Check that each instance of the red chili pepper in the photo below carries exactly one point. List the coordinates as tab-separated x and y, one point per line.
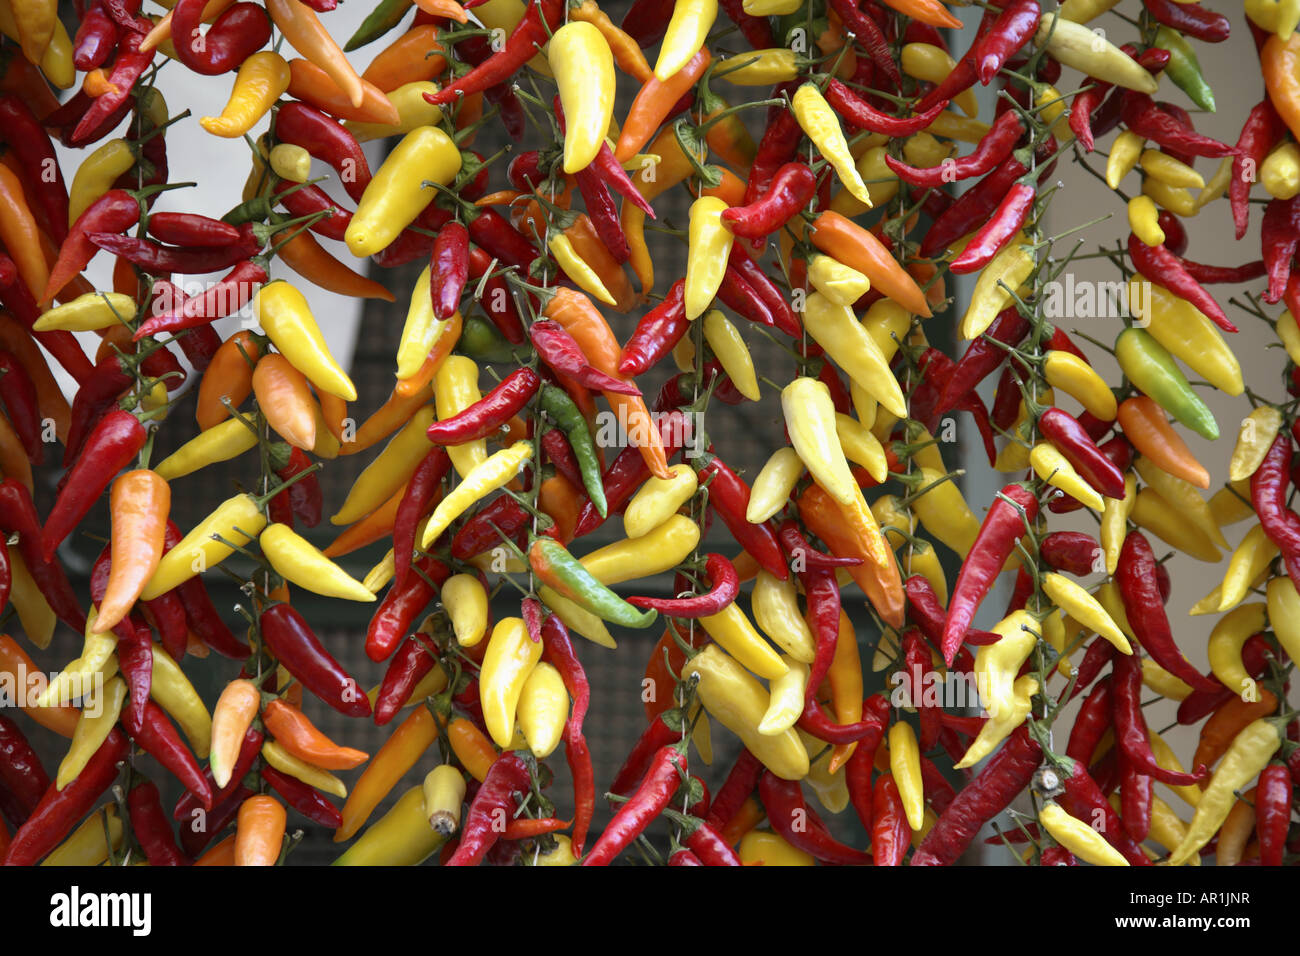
757	30
1279	238
1002	527
803	554
1136	792
1064	431
858	113
646	21
401	606
1207	274
18	514
21	405
995	146
196	834
982	357
303	798
16	298
1273	813
496	298
291	641
1099	653
1259	134
1084	800
229	40
729	499
557	649
493	232
415	241
21	775
449	269
202	616
1131	729
1005	222
790	190
191	229
925	611
651	798
31	146
1073	552
864	27
628	472
164	261
489	413
95	40
115	211
539	21
815	721
406	669
1151	120
725	586
150	728
59	810
507	775
1014	27
560	454
740	783
1191	19
778	145
326	139
419	494
916	664
1167	270
1268	493
219	300
503	515
109	448
890	836
765	289
150	827
128	66
972	208
304	495
1255	656
656	736
798	824
1136	576
188	808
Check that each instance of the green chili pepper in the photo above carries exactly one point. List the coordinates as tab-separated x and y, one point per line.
1150	367
1184	69
386	15
558	569
565	413
480	340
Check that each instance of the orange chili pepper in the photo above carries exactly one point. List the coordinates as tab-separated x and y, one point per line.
78	285
444	8
259	831
628	56
927	11
1280	63
417	383
469	113
14	462
115	339
125	279
731	190
730	139
847	535
306	34
29	682
139	504
593	251
20	235
223	854
398	755
845	679
746	567
582	320
558	498
300	737
378	524
335	412
502	197
228	375
653	104
847	242
388	418
285	399
309	83
49	397
745	819
1147	428
411	58
471	746
307	257
1225	723
96	84
231	718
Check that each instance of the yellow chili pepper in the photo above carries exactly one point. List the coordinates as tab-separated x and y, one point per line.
1167	828
299	769
236	521
851	347
97	174
494	473
810	419
1078	837
1188	335
34	612
658	500
1074	45
861	447
774	484
389	471
400	190
765	848
728	346
1250	559
732	630
996	665
584	70
1279	173
78	677
1249	753
1275	16
400	752
420	331
467	605
932	64
510	659
1070	374
1170	171
1081	11
401	837
1084	608
1143	216
1284	614
577	618
262	79
960	128
1162	682
1170	524
44	40
687	30
736	699
291	162
300	562
1224	647
993	289
759	67
944	513
996	729
1177	200
709	246
86	313
444	792
92	843
543	710
1124	155
1217	185
1258	429
577	269
1114	522
822	125
286	318
176	695
905	765
413	110
92	731
221	442
787	699
1184	496
775	604
1050	465
839	283
1288	334
828	785
658	550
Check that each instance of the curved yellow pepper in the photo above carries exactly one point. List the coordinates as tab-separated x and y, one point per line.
687	30
996	729
176	695
787	699
654	552
658	500
851	347
97	174
774	484
1251	558
1225	643
284	315
221	442
1084	608
1258	429
729	347
401	837
77	679
905	765
236	520
709	245
92	731
285	762
996	665
412	108
822	125
390	470
1074	45
1143	220
734	633
1078	837
1050	465
842	284
300	562
455	388
810	420
759	67
578	269
88	312
510	659
92	843
584	71
494	473
543	710
262	79
775	604
398	192
765	848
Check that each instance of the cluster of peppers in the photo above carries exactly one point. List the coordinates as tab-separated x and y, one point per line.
811	236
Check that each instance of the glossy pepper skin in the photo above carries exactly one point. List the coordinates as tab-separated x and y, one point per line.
508	775
292	642
650	799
